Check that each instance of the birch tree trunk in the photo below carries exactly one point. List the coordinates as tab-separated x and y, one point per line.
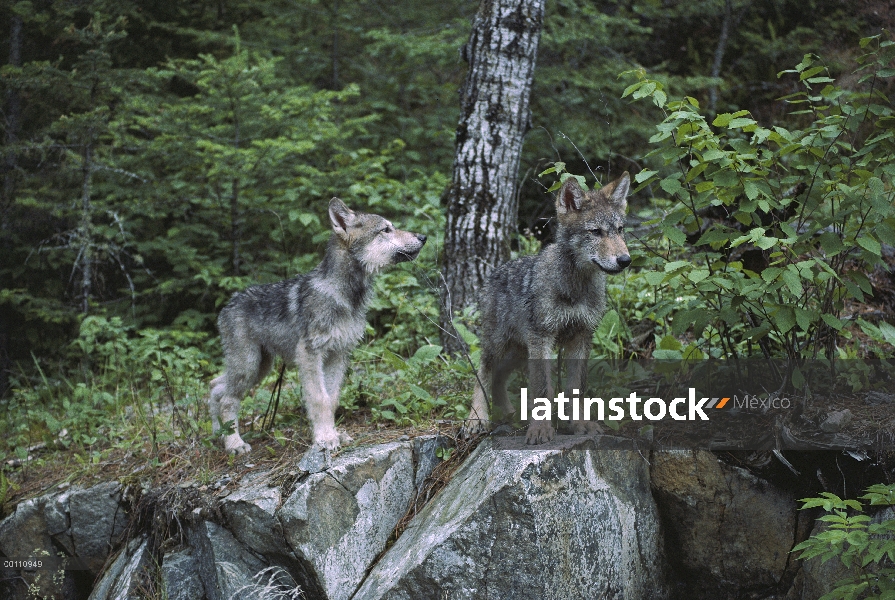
482	198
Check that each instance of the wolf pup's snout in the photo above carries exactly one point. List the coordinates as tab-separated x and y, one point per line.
412	249
623	261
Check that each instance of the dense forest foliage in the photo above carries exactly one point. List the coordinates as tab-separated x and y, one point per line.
159	156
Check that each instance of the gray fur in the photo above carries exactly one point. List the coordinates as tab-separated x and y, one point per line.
313	321
534	304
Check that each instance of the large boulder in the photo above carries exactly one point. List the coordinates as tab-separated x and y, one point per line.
571	520
180	576
339	520
78	522
732	532
97	521
226	568
127	577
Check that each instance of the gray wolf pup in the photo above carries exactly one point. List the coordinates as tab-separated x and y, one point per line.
313	321
534	304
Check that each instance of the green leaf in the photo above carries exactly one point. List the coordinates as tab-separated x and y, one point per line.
557	167
644	175
785	318
792	280
669	342
671	185
426	353
737	123
870	245
421	393
654	277
804	318
831	243
832	321
766	242
673	233
393	360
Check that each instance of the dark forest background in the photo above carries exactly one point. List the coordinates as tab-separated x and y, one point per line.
158	156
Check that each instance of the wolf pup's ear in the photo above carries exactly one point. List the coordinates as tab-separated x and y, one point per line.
341	217
617	191
570	197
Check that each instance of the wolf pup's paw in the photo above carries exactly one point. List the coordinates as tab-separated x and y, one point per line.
344	438
473	427
586	428
234	445
539	432
328	440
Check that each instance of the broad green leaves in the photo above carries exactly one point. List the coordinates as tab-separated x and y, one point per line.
778	226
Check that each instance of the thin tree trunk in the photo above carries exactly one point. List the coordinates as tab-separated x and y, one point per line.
335	48
85	235
726	25
235	226
10	163
13	123
494	103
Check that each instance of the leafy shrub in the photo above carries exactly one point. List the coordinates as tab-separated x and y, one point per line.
783	224
866	548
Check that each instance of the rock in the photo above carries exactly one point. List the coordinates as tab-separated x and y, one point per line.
731	531
572	520
24	534
425	458
227	569
315	459
836	421
97	521
124	579
56	513
338	521
874	398
180	576
250	512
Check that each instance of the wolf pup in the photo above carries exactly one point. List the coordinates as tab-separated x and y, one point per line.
534	304
312	320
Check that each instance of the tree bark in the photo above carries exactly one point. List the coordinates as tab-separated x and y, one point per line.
13	120
494	102
719	54
85	233
8	191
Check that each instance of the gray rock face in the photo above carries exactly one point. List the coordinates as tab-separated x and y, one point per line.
44	527
571	521
226	568
575	519
25	534
97	521
425	458
339	520
251	516
837	421
731	531
180	576
123	580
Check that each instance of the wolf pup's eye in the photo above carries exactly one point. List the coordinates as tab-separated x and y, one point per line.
597	232
621	229
387	230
